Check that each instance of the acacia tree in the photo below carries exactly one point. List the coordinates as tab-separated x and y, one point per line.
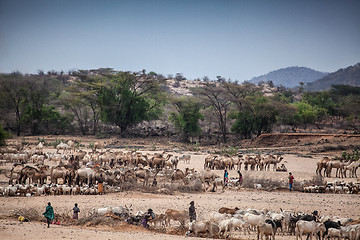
78	108
13	90
29	97
39	115
259	117
242	95
216	97
128	98
82	98
186	117
239	93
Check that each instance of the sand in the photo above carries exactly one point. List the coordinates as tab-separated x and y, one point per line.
303	168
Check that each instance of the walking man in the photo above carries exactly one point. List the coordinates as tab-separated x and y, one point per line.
240	178
291	181
49	214
101	184
226	177
192	211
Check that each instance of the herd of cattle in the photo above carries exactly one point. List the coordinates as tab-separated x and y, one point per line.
228	222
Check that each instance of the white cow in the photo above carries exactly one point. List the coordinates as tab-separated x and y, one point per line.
225	225
308	227
266	229
253	219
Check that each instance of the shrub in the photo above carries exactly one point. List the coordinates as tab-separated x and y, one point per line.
3	136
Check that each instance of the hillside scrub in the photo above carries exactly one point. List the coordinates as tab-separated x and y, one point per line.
107	102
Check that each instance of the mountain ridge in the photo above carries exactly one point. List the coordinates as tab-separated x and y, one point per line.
290	76
344	76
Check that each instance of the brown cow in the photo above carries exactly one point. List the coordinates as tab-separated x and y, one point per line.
176	215
228	210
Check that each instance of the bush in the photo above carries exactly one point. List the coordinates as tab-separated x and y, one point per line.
266	183
55	143
3	136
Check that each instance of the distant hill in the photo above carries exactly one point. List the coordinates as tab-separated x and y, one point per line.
290	77
348	76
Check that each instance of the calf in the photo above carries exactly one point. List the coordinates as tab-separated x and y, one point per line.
175	215
159	219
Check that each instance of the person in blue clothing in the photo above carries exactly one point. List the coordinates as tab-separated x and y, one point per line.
76	211
226	177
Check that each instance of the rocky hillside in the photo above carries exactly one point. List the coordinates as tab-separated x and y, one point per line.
347	76
290	77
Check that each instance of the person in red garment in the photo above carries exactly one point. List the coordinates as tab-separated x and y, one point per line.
291	181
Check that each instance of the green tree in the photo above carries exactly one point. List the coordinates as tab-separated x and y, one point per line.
29	96
322	99
308	114
265	115
244	123
13	92
186	117
259	117
81	98
128	98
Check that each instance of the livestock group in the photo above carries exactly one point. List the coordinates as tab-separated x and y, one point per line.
75	171
37	171
250	223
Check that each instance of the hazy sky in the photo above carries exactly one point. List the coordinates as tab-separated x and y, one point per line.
234	39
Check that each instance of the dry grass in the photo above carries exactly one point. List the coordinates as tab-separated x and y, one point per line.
29	213
267	184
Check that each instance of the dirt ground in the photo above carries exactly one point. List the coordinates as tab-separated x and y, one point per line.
301	162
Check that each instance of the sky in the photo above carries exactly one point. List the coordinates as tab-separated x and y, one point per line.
235	39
